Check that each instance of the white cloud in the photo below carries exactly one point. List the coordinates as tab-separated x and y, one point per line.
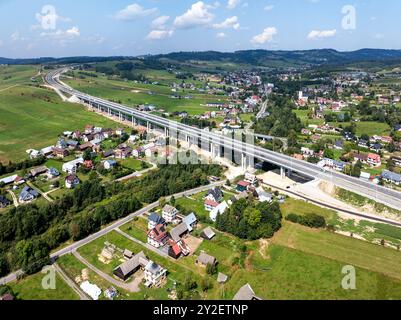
159	34
265	36
228	23
197	15
74	32
269	7
62	36
232	4
221	35
134	11
315	34
160	22
15	36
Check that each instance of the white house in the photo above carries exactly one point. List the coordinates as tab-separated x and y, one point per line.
71	181
169	213
154	274
72	166
263	195
133	138
109	164
220	209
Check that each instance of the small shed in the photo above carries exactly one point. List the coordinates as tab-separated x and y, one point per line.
208	233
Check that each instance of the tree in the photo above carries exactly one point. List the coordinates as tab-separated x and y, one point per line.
211	269
87	155
205	284
33	255
328	153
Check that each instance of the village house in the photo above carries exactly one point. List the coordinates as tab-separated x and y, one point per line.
210	205
52	173
242	186
397	161
391	177
109	164
4	202
220	209
47	151
214	194
208	233
123	153
169	213
264	196
72	166
204	259
128	268
60	153
154	219
191	221
154	274
374	160
89	129
85	146
158	236
362	157
38	171
28	194
246	293
71	181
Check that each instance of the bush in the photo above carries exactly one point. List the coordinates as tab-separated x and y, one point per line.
310	220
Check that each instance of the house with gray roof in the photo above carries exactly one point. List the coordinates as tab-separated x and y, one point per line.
179	231
246	293
28	194
128	268
154	219
215	195
204	259
391	177
191	221
208	233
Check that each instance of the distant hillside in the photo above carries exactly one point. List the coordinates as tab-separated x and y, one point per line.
65	60
300	57
266	58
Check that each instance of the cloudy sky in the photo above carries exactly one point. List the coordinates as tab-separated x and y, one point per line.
58	28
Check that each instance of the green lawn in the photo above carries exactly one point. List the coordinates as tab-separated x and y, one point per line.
341	248
133	94
17	75
133	164
296	275
32	118
137	229
30	288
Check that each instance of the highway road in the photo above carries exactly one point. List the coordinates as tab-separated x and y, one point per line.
380	194
76	245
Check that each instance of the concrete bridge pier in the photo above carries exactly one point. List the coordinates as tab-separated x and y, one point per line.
282	172
243	162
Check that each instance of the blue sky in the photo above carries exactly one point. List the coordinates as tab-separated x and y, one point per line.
58	28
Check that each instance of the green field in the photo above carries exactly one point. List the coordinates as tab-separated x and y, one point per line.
17	75
32	118
133	94
30	288
367	127
340	248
